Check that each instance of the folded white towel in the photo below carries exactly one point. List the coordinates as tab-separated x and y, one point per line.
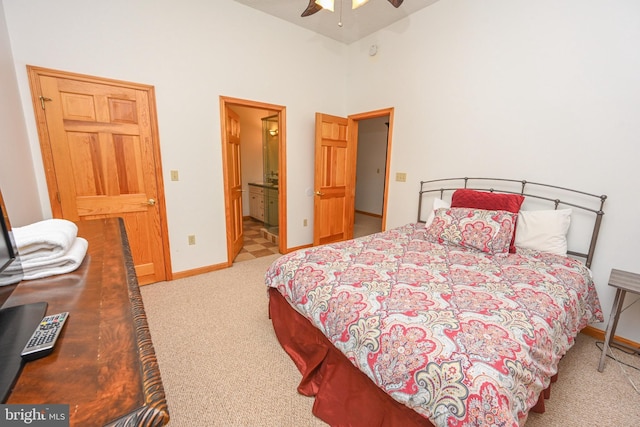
46	239
65	263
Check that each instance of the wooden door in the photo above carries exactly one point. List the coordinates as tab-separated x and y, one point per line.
100	150
335	172
233	183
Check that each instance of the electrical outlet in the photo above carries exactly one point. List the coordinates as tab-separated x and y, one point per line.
174	175
304	222
401	177
192	239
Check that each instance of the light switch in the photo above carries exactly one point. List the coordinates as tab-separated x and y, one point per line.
401	176
174	175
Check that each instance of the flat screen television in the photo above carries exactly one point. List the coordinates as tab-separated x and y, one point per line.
10	268
18	322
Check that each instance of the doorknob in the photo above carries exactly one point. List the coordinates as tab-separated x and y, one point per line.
43	100
151	202
318	193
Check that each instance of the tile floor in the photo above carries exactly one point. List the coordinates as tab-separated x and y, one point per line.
255	245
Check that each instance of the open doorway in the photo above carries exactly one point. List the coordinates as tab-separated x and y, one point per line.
258	217
373	133
371	164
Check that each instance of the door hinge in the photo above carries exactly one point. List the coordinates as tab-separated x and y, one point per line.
44	99
58	197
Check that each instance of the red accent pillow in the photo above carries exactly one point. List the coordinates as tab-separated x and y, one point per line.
464	198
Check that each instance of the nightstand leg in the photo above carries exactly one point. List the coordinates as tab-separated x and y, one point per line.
611	325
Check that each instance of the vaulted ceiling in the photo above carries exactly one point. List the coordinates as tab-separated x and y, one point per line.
356	24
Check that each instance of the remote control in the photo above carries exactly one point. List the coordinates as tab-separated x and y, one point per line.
44	337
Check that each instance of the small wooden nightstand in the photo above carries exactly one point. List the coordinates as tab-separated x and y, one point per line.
623	281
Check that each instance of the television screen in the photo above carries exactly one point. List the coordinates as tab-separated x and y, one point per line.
5	254
10	268
17	323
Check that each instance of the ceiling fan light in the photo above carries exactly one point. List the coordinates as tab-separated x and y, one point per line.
357	3
326	4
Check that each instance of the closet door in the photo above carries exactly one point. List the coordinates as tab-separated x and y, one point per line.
101	155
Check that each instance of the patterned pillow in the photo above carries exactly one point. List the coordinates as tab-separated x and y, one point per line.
484	230
465	198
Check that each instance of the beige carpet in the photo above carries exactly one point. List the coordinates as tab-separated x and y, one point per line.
221	364
364	224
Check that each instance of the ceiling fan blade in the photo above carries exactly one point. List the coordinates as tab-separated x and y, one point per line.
396	3
313	8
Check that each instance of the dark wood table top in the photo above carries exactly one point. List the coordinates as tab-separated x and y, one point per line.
104	364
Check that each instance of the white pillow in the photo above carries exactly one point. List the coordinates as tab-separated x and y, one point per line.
544	231
437	204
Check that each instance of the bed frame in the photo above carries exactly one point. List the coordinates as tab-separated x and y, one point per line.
587	202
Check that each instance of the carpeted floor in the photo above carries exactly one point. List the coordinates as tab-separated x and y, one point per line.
365	224
222	365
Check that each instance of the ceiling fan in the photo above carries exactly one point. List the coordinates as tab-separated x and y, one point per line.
317	5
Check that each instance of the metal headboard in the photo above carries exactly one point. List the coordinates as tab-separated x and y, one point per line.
594	203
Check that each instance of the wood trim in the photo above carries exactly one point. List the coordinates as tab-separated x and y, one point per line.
593	332
225	183
599	335
200	270
162	206
369	214
387	168
43	138
310	245
282	180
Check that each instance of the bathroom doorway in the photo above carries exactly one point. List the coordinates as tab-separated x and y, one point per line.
262	176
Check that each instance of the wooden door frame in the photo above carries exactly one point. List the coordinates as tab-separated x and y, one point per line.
353	135
225	103
34	74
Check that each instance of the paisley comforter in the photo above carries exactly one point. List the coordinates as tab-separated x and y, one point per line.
462	337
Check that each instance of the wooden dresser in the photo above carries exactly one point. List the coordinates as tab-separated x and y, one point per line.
104	365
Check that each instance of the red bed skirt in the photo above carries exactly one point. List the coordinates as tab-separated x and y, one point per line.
344	396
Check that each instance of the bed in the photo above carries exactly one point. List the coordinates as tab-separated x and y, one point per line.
458	319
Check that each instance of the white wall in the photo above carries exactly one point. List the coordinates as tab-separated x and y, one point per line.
547	91
16	166
192	51
371	163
